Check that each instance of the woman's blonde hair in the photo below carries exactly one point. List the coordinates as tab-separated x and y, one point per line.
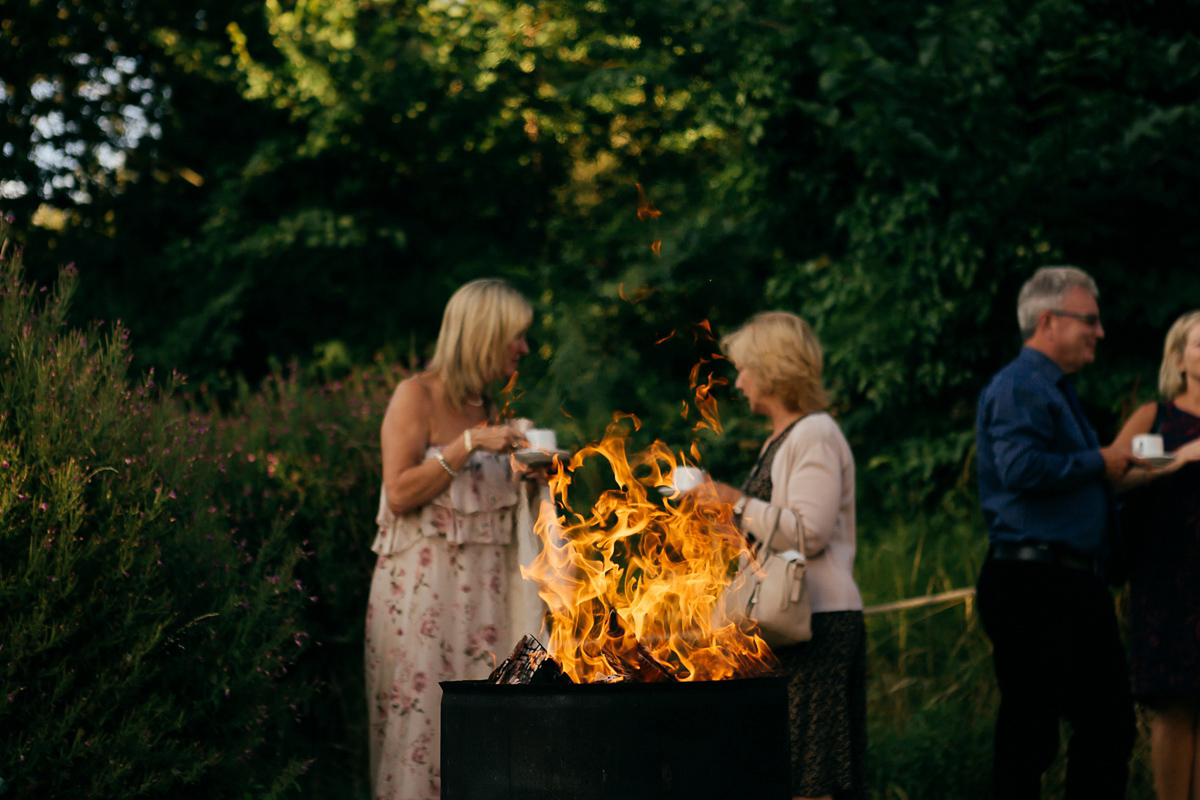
1171	379
782	353
480	321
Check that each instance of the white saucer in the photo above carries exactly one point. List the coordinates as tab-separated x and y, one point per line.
1160	461
533	457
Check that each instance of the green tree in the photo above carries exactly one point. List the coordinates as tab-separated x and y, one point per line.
890	171
893	172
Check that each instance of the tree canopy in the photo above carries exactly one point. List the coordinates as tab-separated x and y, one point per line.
315	178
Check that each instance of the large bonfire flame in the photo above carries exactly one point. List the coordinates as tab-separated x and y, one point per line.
634	587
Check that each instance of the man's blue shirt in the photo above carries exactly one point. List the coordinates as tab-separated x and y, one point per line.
1041	475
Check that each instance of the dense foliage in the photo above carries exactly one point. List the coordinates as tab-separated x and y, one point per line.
304	448
325	173
144	636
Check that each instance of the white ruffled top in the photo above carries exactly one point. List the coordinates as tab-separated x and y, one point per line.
480	506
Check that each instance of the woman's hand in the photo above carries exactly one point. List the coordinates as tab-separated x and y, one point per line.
494	438
1124	471
714	491
1187	454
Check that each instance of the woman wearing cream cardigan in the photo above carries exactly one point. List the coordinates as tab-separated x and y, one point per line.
804	480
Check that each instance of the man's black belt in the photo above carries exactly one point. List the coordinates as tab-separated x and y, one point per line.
1044	554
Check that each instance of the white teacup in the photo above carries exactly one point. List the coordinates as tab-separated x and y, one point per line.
542	438
684	478
1148	445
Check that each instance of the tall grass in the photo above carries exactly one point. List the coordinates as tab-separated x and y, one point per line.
932	695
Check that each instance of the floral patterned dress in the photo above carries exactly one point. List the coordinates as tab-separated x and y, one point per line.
438	611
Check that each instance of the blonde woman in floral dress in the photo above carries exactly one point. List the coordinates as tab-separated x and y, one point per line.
450	505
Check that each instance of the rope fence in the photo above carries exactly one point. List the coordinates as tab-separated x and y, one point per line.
921	602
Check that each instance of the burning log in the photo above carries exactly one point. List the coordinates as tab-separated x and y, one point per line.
529	663
630	657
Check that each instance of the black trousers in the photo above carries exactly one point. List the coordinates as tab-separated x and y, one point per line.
1058	655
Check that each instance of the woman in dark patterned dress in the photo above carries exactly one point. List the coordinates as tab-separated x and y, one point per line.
804	481
1165	576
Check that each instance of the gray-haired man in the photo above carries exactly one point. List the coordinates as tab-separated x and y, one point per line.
1042	594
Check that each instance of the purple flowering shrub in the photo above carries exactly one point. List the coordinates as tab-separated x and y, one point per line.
305	449
151	618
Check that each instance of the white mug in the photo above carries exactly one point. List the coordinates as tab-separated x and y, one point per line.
542	438
1148	445
684	478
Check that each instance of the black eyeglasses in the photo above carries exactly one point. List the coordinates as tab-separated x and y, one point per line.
1091	320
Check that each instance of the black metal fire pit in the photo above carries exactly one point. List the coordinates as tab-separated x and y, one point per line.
707	740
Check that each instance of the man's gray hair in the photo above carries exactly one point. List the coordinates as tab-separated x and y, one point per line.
1045	292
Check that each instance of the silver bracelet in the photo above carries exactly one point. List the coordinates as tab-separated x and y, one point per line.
441	460
467	440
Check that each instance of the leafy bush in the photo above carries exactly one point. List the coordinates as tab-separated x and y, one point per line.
304	446
145	639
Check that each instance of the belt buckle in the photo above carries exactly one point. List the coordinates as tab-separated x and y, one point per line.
1080	562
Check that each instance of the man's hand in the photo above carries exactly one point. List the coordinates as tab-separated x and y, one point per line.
1118	459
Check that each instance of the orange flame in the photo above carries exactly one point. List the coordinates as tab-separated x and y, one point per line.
646	209
707	404
509	394
512	384
634	588
639	294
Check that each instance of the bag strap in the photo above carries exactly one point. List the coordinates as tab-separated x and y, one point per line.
766	548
